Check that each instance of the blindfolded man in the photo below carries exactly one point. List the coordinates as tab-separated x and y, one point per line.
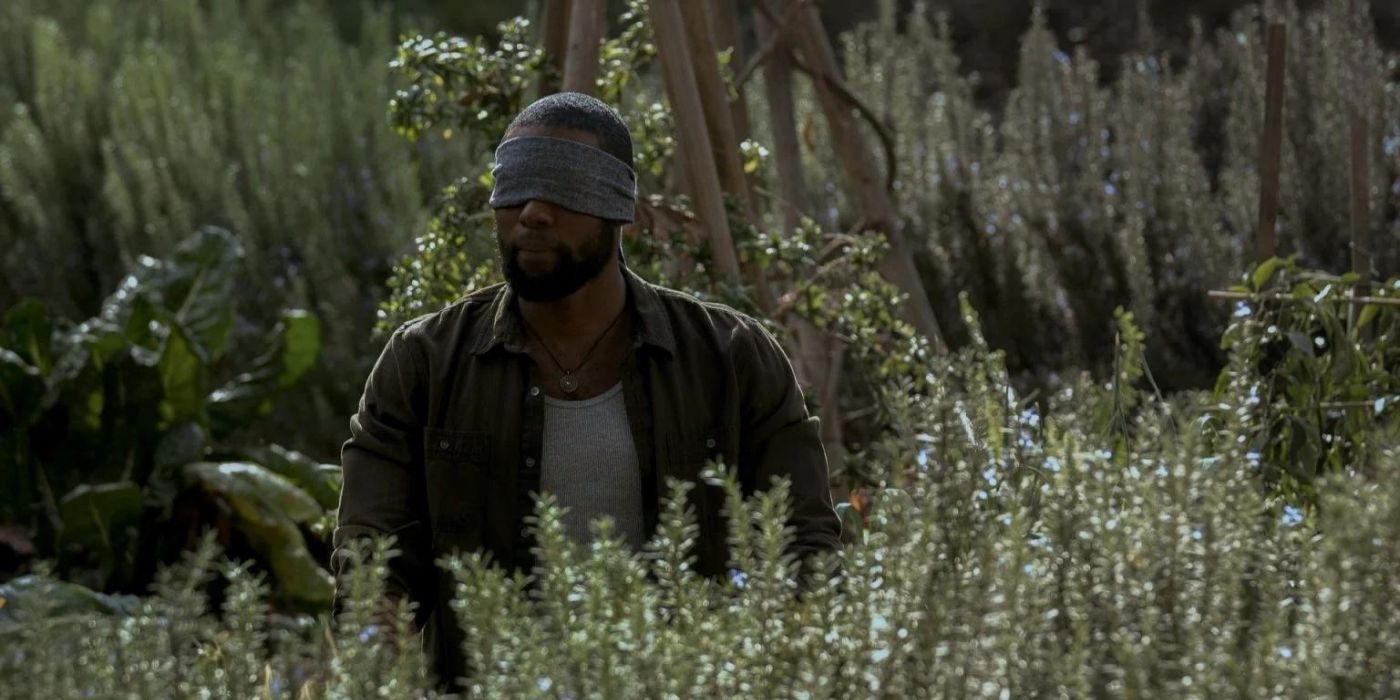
575	377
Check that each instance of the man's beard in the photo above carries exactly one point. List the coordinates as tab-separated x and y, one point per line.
571	272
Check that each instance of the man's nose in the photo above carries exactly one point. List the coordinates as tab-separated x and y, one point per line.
537	213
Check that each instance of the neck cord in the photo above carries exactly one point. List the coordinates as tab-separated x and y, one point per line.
568	382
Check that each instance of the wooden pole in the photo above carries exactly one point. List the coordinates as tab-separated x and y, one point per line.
859	163
719	123
728	36
819	354
1360	201
714	100
555	34
782	120
587	22
1360	207
692	134
1271	146
1248	296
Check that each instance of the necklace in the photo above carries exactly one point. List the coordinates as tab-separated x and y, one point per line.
569	383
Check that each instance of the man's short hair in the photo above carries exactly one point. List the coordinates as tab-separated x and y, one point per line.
575	110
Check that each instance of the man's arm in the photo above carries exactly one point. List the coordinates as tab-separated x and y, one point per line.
781	439
382	491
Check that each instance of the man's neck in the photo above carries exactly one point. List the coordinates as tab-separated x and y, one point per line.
583	315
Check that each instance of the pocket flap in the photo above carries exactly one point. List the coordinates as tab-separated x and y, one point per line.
473	445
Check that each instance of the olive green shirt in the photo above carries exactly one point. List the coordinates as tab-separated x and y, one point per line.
445	448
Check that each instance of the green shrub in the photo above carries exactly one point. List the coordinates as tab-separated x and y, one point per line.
1078	197
119	434
1010	552
127	125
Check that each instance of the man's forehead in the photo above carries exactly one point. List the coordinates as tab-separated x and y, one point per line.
558	132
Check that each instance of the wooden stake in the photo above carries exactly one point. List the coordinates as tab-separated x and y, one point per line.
1271	145
555	36
819	354
719	123
692	134
587	22
728	36
1360	208
782	121
1360	201
859	164
714	99
1353	300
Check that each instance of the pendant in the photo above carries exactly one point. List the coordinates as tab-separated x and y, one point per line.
568	383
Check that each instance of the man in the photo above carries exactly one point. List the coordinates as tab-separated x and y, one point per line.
575	377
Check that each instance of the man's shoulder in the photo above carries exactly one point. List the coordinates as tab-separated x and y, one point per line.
696	315
450	319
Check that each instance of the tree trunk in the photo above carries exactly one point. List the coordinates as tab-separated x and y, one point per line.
693	134
555	36
860	163
587	22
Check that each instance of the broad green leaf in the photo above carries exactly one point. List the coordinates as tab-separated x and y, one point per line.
267	508
293	347
32	598
1301	342
96	518
182	379
21	391
301	345
1264	272
28	331
315	478
1368	314
273	490
201	289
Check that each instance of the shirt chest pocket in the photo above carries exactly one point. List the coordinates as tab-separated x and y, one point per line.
456	466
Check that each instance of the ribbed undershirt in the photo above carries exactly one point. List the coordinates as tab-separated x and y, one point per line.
590	464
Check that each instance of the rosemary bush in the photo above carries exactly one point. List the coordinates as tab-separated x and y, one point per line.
1078	197
1114	545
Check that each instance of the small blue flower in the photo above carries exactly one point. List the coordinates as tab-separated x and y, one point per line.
1292	516
738	578
369	631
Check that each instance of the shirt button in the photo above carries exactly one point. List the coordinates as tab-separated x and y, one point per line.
710	443
534	391
529	461
444	444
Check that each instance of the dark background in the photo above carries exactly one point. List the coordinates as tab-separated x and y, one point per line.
987	32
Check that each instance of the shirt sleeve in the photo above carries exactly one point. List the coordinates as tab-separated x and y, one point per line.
781	439
383	492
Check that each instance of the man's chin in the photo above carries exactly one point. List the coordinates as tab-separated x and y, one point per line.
540	288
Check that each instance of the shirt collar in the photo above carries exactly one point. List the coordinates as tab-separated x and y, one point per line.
503	326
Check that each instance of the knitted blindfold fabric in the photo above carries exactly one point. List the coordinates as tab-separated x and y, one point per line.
573	175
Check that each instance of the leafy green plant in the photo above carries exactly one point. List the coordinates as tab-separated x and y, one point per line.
126	125
110	425
1309	375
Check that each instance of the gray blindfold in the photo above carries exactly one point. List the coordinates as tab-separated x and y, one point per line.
573	175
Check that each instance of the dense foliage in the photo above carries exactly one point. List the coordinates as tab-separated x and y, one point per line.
124	126
1082	196
119	434
1115	545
